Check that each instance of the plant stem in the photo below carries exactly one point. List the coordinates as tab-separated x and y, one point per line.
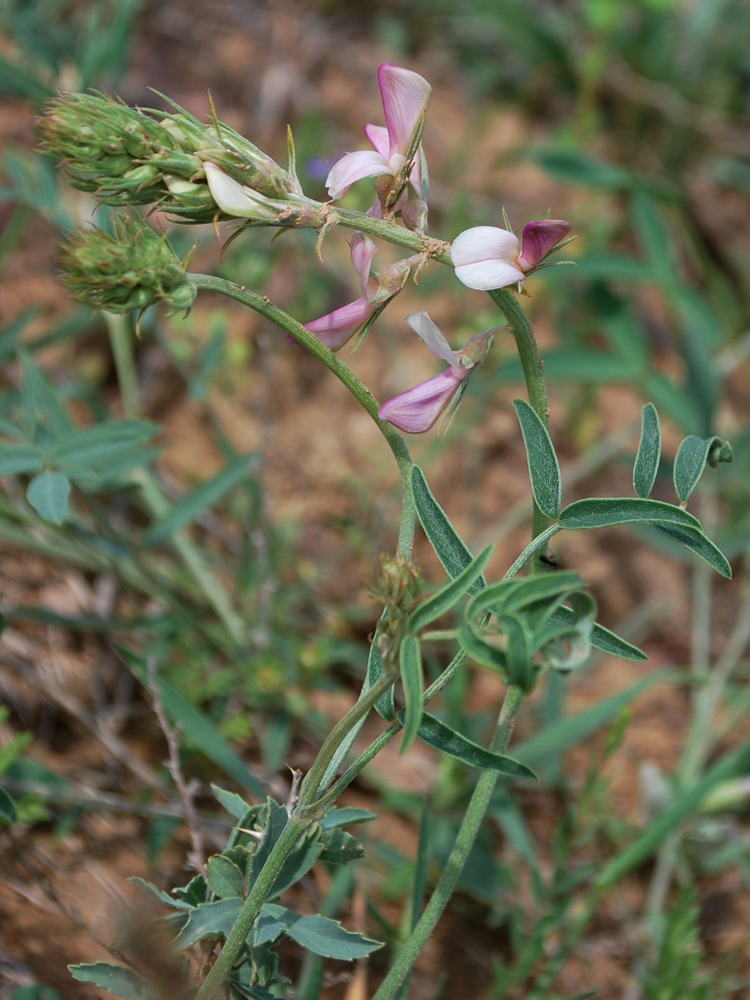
248	914
467	833
260	304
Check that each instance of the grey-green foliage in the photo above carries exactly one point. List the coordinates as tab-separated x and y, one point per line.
677	973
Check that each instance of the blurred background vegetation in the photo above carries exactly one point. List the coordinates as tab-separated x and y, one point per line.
243	460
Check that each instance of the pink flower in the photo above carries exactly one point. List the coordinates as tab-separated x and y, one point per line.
416	410
406	97
335	328
486	257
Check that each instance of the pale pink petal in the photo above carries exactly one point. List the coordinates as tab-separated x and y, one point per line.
353	167
417	409
539	238
437	345
406	97
484	243
378	136
232	197
335	328
363	253
488	274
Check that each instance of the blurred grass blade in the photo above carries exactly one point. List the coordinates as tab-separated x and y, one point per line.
649	452
685	805
410	661
544	469
196	727
16	458
454	554
447	596
193	504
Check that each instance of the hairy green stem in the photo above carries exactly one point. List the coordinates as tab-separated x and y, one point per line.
229	954
261	305
467	833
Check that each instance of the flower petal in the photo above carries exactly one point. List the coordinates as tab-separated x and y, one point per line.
378	136
335	328
353	167
232	197
437	345
488	274
363	253
539	238
416	410
406	97
484	243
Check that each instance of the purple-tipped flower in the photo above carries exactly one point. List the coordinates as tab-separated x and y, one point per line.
486	257
417	410
406	96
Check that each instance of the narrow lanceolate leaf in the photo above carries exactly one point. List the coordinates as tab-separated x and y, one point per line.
544	469
483	652
605	512
410	661
196	501
100	444
115	979
48	494
7	807
689	463
323	936
696	541
649	452
453	553
15	458
436	734
447	596
602	638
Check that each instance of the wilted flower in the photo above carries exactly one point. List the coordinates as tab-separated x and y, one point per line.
131	269
487	257
397	153
416	410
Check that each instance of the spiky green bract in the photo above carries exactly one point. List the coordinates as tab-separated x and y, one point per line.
133	268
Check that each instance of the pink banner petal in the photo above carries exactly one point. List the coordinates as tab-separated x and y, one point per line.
363	253
539	238
406	97
378	136
335	328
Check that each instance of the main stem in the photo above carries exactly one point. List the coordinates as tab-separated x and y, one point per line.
467	834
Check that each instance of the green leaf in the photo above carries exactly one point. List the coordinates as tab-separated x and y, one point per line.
604	512
436	734
649	452
197	500
48	494
16	458
410	662
209	920
299	862
697	542
519	652
654	239
323	936
231	801
602	638
339	847
267	928
447	596
99	445
559	737
483	652
7	807
690	461
573	167
162	897
114	979
224	878
544	469
38	399
384	706
197	727
346	816
453	553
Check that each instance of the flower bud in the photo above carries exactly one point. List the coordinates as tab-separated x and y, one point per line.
132	269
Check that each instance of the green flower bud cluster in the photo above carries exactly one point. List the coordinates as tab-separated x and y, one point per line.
128	156
133	268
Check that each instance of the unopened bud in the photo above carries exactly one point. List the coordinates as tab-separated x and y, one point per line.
131	269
